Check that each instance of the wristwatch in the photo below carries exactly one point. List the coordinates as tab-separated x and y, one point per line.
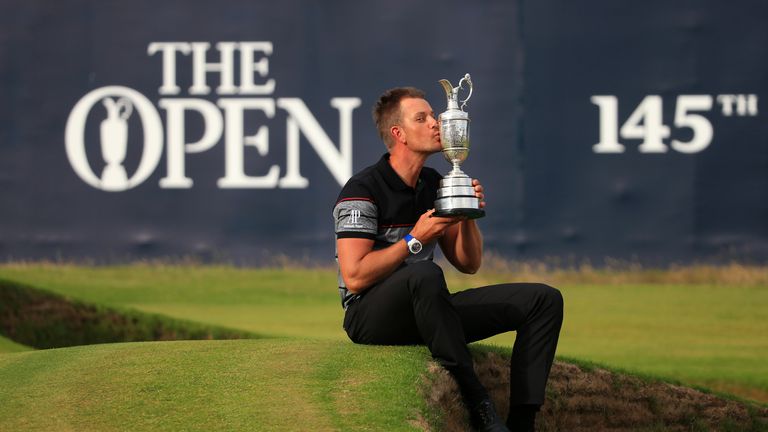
414	245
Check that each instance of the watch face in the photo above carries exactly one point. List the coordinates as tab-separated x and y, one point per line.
414	246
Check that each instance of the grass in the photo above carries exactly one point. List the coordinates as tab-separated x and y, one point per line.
274	302
710	336
42	319
273	384
9	346
703	330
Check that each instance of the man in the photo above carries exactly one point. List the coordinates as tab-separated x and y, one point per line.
393	293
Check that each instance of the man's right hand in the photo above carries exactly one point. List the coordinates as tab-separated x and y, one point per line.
430	227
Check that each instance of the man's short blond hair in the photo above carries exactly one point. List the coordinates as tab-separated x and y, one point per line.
386	111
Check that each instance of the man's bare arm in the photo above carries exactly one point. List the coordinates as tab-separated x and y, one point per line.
462	244
361	266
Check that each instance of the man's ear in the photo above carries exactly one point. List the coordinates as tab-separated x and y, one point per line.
397	133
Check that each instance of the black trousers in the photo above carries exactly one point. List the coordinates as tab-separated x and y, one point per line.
412	306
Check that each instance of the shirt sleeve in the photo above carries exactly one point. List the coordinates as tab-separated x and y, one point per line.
356	217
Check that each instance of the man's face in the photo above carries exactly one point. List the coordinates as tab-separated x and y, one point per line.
419	126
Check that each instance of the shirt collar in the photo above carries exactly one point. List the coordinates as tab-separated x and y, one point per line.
390	175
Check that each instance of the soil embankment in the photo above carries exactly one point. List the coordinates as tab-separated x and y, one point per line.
580	399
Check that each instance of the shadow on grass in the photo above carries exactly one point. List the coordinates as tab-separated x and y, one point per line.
41	319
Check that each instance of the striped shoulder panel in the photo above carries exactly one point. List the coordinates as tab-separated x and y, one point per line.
356	217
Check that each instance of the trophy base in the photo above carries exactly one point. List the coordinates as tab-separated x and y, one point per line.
456	197
470	213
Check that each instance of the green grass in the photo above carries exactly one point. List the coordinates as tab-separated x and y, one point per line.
297	303
9	346
711	336
42	319
702	334
273	384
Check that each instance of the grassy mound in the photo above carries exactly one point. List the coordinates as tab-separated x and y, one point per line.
42	319
712	337
701	326
283	384
270	384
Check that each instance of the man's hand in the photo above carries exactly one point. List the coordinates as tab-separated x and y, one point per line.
430	227
479	192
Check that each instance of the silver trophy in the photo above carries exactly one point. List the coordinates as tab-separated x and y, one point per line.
456	196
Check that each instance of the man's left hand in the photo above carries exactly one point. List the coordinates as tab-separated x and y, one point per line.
479	192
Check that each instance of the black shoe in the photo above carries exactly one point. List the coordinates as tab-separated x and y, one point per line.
484	418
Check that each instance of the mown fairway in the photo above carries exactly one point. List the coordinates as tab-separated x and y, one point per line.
713	335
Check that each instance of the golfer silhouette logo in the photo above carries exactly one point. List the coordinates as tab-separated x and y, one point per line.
114	142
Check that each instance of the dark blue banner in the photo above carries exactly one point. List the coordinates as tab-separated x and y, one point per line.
224	131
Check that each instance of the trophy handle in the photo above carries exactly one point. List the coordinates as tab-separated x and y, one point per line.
468	79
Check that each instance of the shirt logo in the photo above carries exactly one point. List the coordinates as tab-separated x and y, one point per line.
354	217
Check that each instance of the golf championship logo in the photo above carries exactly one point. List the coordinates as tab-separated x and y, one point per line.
121	110
119	104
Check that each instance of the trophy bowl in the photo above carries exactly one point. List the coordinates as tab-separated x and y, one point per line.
456	154
454	137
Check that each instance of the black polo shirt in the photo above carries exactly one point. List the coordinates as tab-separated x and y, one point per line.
376	204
